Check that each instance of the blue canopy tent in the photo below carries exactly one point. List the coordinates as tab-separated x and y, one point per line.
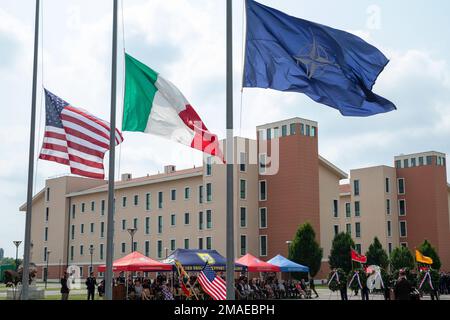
287	265
195	260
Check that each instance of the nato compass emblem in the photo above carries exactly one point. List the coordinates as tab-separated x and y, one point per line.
314	58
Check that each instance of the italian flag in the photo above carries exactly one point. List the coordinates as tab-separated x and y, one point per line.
154	105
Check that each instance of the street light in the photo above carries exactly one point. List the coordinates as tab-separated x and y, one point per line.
289	242
91	252
17	244
132	231
46	270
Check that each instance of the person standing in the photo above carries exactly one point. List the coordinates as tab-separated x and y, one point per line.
91	282
64	288
312	286
402	288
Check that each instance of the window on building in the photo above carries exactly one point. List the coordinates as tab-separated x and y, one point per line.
243	217
82	228
187	193
124	202
243	162
313	131
147	225
388	206
173	245
357	209
160	199
348	228
398	164
200	220
46	214
302	129
200	243
269	133
243	245
147	248
308	132
429	160
276	132
292	129
356	187
47	194
173	194
124	247
135	223
92	206
72	232
92	227
81	250
243	189
160	224
387	184
102	229
83	207
389	229
173	220
401	185
262	191
159	249
348	212
420	161
413	162
208	166
208	243
262	218
124	224
135	246
102	207
186	218
404	244
358	248
186	243
401	207
358	230
335	208
284	130
101	251
405	163
46	234
208	219
261	134
71	252
136	199
389	248
73	211
263	246
336	229
262	165
208	192
403	230
200	194
148	200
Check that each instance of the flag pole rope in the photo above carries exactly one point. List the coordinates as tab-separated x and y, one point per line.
123	84
242	67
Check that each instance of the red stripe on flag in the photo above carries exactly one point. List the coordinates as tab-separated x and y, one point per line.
97	165
53	158
55	147
49	134
85	137
85	125
85	149
87	174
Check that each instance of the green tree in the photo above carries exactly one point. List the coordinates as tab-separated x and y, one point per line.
305	249
401	257
428	250
376	255
340	252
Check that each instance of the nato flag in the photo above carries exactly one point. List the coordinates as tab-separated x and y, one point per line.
330	66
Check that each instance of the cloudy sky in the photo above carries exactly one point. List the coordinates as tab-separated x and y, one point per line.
185	41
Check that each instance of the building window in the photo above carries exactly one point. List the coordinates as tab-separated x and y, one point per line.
47	194
336	229
208	192
348	210
292	129
82	228
261	135
92	227
404	244
398	164
243	162
262	218
173	245
429	160
186	218
208	166
389	229
92	206
262	163
147	248
46	234
388	206
186	243
358	230
389	248
335	208
208	219
73	232
403	229
73	211
124	247
200	194
200	243
135	246
208	243
124	224
358	248
136	200
401	185
200	220
387	183
284	130
269	133
357	209
124	202
173	194
71	253
81	250
173	220
160	200
348	228
313	131
46	214
147	225
102	229
243	245
160	224
420	161
102	207
356	187
147	201
243	189
243	217
262	191
263	246
135	223
187	193
401	207
302	129
413	162
101	251
159	249
405	163
308	132
276	132
83	207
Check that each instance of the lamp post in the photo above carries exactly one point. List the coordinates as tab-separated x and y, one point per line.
17	244
91	252
289	242
132	231
167	252
46	270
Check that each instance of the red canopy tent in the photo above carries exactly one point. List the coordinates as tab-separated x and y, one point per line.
136	261
253	264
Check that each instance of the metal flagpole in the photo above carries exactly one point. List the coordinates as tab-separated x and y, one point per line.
229	156
112	145
26	254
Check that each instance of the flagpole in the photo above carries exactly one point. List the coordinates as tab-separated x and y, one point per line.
27	244
229	155
112	149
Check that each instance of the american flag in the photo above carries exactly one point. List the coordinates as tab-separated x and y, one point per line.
75	138
212	284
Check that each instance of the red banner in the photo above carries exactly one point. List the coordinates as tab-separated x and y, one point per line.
358	257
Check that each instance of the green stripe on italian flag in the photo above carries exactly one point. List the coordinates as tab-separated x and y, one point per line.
154	105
